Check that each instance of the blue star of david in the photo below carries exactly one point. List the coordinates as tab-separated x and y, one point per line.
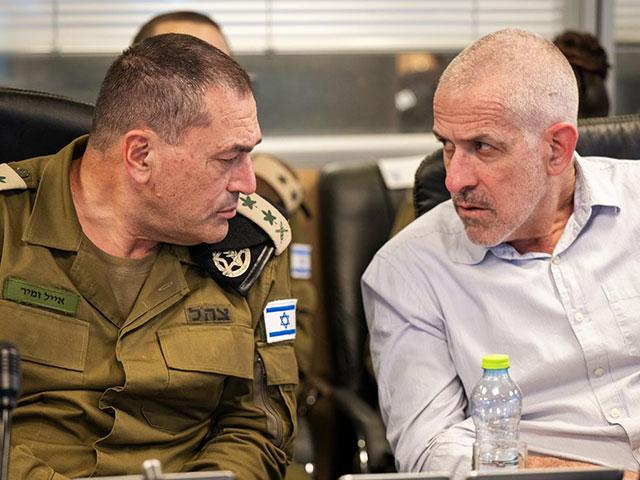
284	320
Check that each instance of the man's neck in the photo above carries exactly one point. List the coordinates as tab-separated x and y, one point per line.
551	229
101	208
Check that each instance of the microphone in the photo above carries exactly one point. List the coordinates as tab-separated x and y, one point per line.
9	392
9	375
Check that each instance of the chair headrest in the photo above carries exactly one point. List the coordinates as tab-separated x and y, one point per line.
38	123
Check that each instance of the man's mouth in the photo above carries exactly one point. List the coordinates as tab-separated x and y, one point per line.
469	207
228	212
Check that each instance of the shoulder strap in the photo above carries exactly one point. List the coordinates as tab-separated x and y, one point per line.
257	233
10	179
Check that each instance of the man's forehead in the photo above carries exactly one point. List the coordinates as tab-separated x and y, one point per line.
223	101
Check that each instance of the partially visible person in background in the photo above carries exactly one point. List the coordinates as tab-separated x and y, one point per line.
589	62
277	182
588	59
189	23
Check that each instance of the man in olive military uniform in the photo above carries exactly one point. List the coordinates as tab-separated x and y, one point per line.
276	181
130	349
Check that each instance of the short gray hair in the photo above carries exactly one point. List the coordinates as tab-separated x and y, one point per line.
160	83
530	74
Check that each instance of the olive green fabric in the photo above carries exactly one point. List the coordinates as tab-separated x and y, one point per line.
124	277
302	289
98	398
306	308
405	215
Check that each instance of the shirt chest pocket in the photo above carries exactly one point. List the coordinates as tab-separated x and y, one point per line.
53	348
198	360
624	301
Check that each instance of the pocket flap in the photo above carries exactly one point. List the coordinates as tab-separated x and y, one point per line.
280	364
45	337
224	349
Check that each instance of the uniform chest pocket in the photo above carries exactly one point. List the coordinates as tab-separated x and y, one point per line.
46	341
198	360
624	301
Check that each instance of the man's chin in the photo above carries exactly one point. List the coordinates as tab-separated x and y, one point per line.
482	238
214	234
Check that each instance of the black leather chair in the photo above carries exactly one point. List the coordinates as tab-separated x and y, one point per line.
357	213
38	123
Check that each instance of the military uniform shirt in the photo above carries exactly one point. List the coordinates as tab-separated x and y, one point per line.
187	378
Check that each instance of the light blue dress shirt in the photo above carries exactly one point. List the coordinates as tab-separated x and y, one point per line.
570	321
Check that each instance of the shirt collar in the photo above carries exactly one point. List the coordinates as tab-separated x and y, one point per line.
594	187
53	222
594	184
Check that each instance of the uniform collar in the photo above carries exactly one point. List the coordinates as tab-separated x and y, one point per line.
594	188
53	222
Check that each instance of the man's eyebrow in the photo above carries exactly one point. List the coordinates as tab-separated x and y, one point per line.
238	147
437	135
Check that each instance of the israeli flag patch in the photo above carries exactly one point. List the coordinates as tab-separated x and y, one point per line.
300	258
280	320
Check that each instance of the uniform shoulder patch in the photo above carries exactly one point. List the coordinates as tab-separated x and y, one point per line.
256	233
268	218
281	179
10	179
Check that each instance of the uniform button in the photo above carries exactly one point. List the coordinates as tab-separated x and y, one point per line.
555	260
615	413
23	172
578	317
598	373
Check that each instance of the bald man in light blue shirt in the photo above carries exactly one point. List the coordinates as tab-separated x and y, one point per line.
536	256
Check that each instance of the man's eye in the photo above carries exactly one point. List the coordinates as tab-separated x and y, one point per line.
482	147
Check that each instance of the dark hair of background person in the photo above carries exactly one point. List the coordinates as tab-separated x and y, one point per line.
589	62
148	29
159	83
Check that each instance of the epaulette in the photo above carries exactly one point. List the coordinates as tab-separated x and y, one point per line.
257	233
12	179
278	182
23	174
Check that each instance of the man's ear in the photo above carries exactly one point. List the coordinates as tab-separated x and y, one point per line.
137	152
562	138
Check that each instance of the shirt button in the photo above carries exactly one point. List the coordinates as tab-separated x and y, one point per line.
555	260
615	413
578	317
598	373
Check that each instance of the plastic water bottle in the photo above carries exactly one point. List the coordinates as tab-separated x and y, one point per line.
496	405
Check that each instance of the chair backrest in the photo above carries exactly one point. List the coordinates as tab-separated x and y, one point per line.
356	215
616	137
38	123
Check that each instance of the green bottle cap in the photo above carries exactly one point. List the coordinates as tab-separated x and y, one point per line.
495	361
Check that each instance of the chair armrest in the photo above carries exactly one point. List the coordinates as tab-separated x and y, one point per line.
374	450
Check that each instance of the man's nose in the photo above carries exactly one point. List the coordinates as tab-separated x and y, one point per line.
460	172
243	179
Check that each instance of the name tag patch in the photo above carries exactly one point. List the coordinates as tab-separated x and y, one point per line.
21	291
300	258
199	314
280	320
